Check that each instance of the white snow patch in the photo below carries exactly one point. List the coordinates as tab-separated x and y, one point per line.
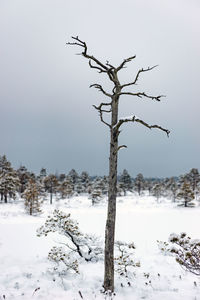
27	273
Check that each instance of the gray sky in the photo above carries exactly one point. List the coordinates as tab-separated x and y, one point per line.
47	118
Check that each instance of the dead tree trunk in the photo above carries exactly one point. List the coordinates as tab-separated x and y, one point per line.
112	193
111	107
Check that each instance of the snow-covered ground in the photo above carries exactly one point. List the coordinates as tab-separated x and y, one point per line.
26	273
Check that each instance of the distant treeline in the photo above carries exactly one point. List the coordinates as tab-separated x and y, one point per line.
25	184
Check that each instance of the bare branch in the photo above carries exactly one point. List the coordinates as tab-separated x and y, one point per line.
121	66
101	111
109	65
106	68
102	120
78	43
135	119
100	88
95	67
102	104
140	95
82	44
122	146
137	76
153	126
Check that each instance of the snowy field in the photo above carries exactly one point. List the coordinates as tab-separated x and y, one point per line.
26	273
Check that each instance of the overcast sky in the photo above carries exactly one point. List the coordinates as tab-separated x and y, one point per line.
47	119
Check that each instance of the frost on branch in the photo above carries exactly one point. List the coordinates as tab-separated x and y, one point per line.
61	223
134	118
78	245
186	251
125	261
165	248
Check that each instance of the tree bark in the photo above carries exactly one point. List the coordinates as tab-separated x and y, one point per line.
51	195
31	207
112	193
5	198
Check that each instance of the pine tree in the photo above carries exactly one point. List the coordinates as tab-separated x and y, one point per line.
157	190
172	186
186	194
97	190
4	163
31	195
42	175
66	188
85	180
24	177
9	181
61	177
194	179
139	183
51	185
74	177
186	251
85	246
105	185
149	185
79	188
125	182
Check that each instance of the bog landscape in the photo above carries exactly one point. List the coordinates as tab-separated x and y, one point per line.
52	236
99	150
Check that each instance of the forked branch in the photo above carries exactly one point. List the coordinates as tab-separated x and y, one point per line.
100	66
96	67
137	76
121	66
101	110
109	65
100	88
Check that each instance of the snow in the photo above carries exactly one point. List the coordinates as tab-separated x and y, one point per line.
129	117
26	272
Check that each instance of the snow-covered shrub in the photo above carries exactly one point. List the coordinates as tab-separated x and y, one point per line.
59	256
77	244
164	247
157	190
125	261
95	196
186	251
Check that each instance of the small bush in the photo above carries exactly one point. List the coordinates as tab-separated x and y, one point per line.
186	251
76	245
125	261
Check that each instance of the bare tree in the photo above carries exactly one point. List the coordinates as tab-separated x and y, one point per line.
111	107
